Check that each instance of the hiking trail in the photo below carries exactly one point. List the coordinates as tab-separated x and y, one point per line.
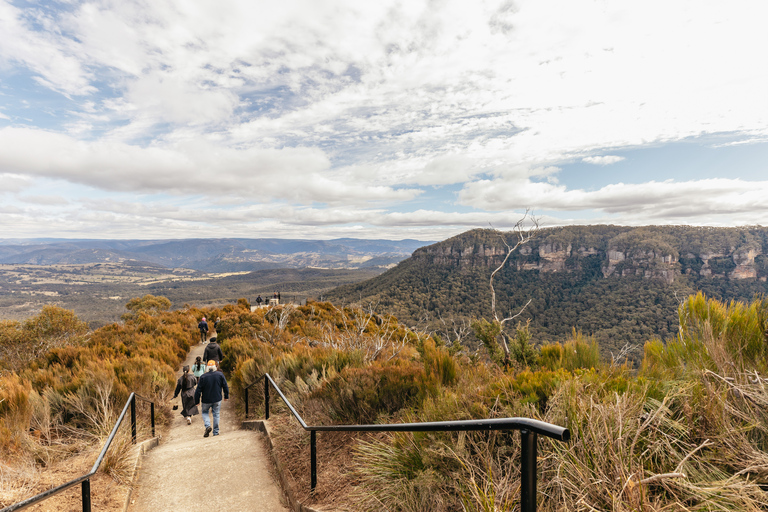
188	472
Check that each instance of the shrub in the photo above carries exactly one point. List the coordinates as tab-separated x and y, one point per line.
580	352
359	395
15	412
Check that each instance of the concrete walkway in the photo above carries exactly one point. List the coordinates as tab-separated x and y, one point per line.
226	473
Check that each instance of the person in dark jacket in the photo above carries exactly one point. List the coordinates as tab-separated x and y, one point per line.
213	352
209	389
203	326
186	386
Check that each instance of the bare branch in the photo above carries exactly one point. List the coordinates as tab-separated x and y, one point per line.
516	314
523	237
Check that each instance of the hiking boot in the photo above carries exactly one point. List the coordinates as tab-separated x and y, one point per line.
207	431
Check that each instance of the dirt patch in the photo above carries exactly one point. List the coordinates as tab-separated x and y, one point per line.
336	480
106	494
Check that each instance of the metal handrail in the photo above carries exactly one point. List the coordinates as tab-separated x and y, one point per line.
85	480
529	431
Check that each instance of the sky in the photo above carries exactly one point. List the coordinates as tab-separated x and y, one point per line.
415	119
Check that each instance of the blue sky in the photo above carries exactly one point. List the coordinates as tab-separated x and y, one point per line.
418	119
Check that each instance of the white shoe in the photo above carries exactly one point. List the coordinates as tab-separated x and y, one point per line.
189	420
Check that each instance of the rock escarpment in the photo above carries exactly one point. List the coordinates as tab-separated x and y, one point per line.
652	252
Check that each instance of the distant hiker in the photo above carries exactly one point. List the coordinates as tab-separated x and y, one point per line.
213	352
209	389
203	326
259	300
278	296
186	385
216	324
274	296
198	368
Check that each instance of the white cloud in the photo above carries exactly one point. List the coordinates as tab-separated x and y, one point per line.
653	201
603	160
45	200
194	167
352	107
47	55
12	183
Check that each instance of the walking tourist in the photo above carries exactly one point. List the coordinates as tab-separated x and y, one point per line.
209	390
186	386
213	352
203	326
198	369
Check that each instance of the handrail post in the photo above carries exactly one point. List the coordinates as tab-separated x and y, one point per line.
152	416
86	491
528	456
246	403
312	460
266	397
133	419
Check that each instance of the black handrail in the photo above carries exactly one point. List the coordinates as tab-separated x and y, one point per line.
85	480
529	431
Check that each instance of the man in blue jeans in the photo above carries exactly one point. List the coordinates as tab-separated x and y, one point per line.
209	388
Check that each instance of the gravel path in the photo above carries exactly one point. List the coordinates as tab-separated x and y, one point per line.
226	473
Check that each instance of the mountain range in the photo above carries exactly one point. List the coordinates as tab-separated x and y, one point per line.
213	255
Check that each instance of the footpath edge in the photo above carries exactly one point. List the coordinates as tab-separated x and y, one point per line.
142	448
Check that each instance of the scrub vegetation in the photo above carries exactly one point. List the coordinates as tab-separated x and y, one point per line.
62	387
687	430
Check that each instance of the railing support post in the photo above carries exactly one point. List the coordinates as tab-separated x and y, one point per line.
86	489
266	398
246	403
133	419
528	456
312	460
152	416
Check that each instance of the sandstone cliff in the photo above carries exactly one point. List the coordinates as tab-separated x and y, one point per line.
653	252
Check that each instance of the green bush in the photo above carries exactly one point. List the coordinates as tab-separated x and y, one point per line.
360	395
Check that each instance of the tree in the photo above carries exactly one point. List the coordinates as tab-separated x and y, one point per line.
522	349
524	235
148	303
21	343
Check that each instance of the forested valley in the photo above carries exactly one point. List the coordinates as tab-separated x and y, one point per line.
618	284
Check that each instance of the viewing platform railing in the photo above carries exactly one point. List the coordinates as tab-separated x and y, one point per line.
85	480
529	431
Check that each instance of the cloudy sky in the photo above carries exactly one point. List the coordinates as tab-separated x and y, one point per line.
387	119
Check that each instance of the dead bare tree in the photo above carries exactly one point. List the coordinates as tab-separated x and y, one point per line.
357	333
525	230
278	317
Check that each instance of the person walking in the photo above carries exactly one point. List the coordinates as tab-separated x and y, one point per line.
213	352
186	386
209	390
198	369
203	326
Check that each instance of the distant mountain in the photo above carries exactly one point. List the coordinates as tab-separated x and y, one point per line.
214	255
620	284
